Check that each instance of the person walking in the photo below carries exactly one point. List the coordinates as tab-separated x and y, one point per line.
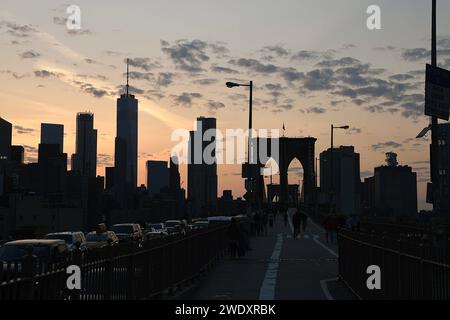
285	218
296	223
303	220
234	237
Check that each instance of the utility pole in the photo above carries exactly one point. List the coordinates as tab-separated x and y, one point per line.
434	152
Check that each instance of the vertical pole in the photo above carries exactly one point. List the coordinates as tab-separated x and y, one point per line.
250	127
434	157
332	171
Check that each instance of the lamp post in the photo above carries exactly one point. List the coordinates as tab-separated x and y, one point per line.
250	178
250	105
332	164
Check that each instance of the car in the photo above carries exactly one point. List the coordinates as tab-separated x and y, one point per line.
127	232
74	239
155	234
198	225
53	250
173	226
155	227
98	240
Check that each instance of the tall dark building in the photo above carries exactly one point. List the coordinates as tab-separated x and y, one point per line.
174	175
157	176
109	178
343	182
5	139
202	173
84	160
18	154
126	142
53	171
53	134
392	191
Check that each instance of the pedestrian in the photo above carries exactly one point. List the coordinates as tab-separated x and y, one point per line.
296	223
303	220
285	218
233	237
271	219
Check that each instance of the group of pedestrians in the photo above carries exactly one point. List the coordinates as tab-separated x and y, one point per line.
299	222
239	238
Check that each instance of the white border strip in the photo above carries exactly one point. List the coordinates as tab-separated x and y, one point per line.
267	291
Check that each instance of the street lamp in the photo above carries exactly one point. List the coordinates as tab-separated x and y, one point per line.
249	174
346	127
250	85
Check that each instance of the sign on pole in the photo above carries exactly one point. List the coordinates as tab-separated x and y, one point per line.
437	92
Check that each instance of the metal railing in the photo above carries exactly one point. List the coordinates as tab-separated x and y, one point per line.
411	268
125	272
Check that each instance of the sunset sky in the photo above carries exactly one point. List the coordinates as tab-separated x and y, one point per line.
313	63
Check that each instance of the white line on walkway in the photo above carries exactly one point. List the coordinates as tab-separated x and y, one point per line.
323	284
267	291
316	240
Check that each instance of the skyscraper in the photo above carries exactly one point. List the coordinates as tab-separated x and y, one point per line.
157	176
5	139
126	142
85	158
341	186
392	191
202	173
53	134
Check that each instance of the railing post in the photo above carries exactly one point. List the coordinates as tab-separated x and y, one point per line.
108	273
131	287
399	268
74	294
29	274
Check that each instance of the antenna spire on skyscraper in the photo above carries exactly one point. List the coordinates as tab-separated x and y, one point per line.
128	74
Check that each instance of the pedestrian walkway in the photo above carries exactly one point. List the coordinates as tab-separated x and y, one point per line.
278	267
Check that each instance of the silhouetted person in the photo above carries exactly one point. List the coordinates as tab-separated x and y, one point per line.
285	218
303	220
296	221
234	236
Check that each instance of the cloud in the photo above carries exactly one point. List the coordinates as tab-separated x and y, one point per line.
18	30
105	160
352	131
291	74
143	63
23	130
305	55
47	74
185	99
317	110
92	90
137	75
15	74
275	51
386	145
205	82
319	79
214	105
190	56
30	54
165	79
254	65
342	62
219	69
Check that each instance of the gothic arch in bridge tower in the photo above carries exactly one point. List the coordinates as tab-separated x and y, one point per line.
301	149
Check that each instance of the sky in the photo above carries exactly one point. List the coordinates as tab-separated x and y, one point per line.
313	63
